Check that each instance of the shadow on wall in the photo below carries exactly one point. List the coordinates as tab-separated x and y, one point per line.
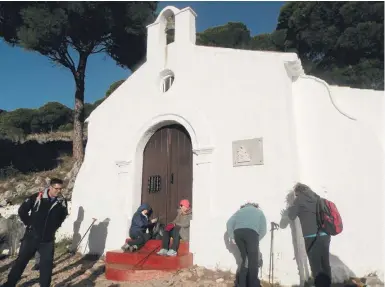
233	249
300	255
340	272
77	236
97	238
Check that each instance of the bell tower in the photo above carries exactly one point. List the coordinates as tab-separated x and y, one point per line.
171	23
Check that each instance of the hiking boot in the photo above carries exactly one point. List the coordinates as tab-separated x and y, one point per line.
162	252
171	253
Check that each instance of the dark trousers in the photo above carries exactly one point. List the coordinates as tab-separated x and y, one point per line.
37	254
28	249
174	233
139	239
247	241
319	260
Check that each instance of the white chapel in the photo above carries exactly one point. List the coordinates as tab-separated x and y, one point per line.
222	127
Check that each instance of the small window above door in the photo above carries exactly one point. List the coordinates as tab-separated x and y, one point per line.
167	79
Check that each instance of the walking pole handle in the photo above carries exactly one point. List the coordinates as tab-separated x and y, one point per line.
274	226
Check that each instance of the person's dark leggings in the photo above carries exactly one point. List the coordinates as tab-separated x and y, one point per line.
174	233
139	239
247	241
319	260
27	250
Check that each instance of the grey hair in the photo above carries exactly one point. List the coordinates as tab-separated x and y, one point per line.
290	197
302	188
256	205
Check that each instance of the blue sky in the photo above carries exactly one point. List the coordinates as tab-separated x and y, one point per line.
29	80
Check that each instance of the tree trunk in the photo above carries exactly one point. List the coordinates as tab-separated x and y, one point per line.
78	145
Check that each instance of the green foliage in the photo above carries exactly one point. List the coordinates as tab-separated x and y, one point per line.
12	133
20	122
66	127
88	108
113	87
8	171
68	33
55	28
62	246
340	42
263	42
98	102
51	116
231	35
19	119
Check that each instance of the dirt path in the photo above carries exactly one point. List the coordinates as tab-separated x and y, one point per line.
89	271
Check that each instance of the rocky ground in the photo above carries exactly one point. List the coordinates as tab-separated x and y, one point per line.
76	270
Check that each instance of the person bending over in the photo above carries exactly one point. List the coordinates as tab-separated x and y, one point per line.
246	228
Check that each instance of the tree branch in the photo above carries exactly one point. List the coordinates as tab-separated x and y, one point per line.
62	57
66	58
103	49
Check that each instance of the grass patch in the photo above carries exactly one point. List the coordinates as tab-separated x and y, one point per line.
61	246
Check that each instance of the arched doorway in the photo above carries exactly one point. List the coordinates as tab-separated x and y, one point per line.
167	171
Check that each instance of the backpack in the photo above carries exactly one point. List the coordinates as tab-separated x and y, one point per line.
36	205
38	200
328	218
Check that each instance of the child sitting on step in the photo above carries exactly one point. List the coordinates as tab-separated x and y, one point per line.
139	230
178	229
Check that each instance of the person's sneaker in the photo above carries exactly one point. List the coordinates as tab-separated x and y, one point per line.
133	248
125	247
35	267
162	252
171	253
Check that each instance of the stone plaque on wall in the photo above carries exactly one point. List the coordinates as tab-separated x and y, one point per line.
248	152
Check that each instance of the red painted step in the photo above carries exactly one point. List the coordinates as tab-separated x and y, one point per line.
145	264
121	272
152	261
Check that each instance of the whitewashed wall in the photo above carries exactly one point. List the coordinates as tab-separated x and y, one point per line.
341	151
224	95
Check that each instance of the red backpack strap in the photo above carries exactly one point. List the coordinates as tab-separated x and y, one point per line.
38	199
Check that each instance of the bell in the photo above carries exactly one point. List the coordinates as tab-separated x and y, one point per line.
170	23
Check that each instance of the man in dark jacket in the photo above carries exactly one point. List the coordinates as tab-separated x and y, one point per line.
42	213
140	228
305	207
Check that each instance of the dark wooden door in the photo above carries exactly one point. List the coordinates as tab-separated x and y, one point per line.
168	155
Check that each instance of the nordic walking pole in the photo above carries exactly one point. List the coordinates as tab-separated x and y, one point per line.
271	251
274	226
77	246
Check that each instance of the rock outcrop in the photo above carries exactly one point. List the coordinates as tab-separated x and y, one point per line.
14	190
